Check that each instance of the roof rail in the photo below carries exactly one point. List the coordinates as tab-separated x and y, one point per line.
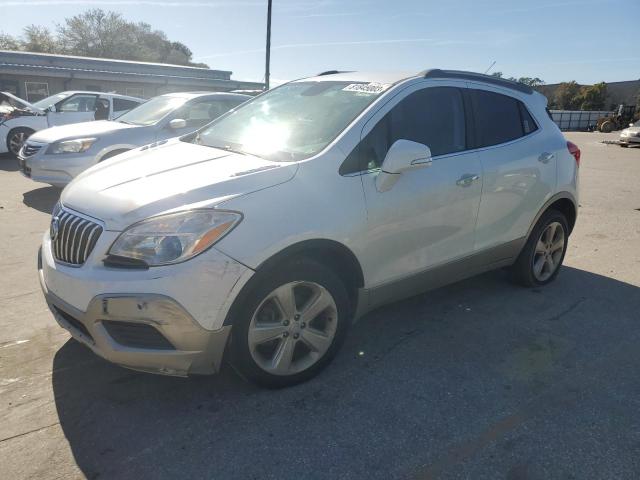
330	72
502	82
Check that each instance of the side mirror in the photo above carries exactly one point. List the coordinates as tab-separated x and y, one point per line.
177	123
402	156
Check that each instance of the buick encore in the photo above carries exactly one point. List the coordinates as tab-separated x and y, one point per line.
261	237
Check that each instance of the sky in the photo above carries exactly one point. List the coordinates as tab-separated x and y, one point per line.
556	40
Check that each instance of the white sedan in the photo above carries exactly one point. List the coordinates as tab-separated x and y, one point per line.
19	119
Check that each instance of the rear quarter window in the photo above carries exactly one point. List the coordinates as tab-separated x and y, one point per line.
499	118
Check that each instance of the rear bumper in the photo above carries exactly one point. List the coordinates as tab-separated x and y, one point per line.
146	332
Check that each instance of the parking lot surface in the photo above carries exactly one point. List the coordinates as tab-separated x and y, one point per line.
479	380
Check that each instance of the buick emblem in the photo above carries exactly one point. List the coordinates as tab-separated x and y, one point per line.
55	228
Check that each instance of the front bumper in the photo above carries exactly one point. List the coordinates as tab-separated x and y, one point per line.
167	320
56	170
629	139
145	332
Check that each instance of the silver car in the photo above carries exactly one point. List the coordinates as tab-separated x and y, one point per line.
57	155
631	135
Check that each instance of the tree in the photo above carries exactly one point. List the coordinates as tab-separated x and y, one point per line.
96	33
39	39
7	42
567	96
532	82
593	97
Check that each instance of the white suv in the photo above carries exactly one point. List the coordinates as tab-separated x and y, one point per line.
267	232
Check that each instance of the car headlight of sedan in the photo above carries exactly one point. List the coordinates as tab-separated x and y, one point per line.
175	237
78	145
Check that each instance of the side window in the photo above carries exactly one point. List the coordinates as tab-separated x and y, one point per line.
199	114
78	103
499	118
102	109
528	124
433	116
122	105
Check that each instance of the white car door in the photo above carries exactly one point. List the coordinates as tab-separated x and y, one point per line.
428	217
80	107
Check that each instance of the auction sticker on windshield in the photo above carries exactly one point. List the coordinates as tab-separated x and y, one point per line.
372	88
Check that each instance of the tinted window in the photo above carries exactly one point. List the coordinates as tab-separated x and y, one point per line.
528	124
497	118
433	117
121	105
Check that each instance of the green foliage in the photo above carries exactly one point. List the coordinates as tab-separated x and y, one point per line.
593	97
567	96
39	39
532	82
96	33
7	42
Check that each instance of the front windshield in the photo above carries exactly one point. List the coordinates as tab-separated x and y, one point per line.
151	112
52	100
292	122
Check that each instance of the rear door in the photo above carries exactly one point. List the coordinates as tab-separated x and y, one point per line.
519	169
428	217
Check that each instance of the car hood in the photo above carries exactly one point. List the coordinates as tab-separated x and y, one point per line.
165	177
78	130
22	105
633	130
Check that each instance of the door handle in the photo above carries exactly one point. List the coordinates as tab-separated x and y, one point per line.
546	157
467	180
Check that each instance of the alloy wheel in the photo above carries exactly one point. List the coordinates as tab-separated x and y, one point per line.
549	251
16	141
292	328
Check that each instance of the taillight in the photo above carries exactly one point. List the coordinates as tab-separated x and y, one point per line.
575	151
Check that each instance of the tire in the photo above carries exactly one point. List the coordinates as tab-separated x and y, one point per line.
624	145
607	127
272	339
544	248
16	138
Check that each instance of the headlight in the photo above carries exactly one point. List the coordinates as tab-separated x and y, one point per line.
72	146
175	237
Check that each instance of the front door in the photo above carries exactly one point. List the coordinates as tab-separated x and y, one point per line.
77	108
428	217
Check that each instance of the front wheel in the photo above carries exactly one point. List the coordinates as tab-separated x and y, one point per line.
540	260
16	139
292	325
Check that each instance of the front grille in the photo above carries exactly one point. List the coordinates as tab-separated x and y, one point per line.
73	237
137	335
30	149
75	323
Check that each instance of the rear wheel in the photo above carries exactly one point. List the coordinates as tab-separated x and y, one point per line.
292	325
540	260
16	138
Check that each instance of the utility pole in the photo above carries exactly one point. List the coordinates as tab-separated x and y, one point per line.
266	71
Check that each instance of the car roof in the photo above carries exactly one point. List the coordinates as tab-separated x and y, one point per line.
377	77
191	95
110	94
434	73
